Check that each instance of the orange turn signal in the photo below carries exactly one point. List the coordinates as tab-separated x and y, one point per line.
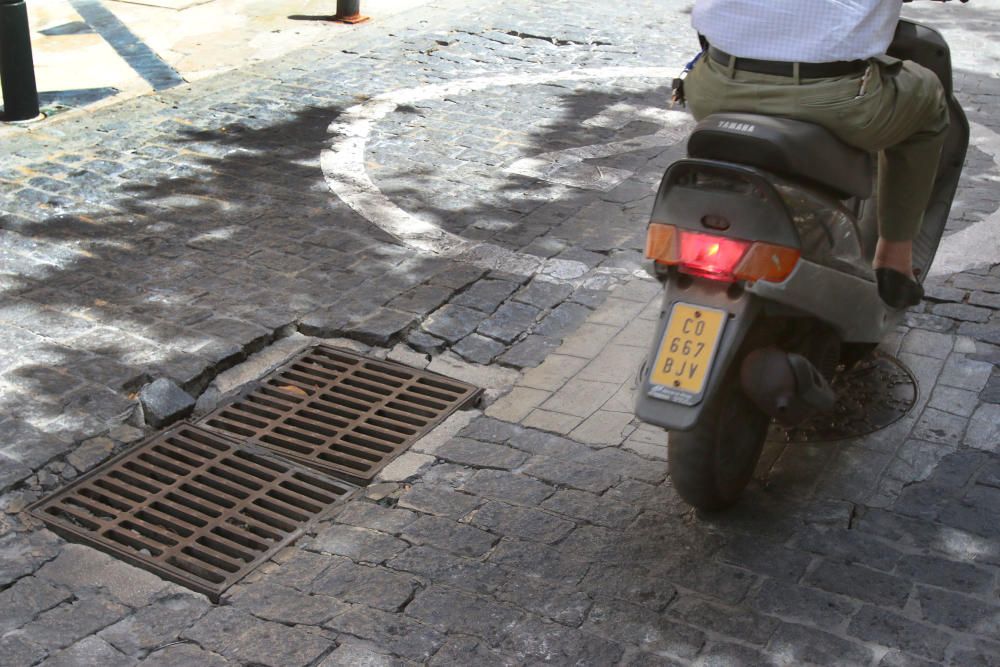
661	243
764	261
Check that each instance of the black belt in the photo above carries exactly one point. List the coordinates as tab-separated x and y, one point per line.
779	68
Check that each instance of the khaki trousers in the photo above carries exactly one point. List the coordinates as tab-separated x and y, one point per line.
896	108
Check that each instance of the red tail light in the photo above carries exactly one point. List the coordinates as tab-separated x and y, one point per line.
719	257
711	256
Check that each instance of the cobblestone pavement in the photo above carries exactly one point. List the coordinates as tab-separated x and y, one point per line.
192	238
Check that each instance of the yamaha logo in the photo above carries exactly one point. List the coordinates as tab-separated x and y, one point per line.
748	128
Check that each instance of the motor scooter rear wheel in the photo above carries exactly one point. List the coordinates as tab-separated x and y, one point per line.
711	464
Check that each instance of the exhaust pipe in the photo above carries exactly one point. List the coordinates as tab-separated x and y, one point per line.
785	386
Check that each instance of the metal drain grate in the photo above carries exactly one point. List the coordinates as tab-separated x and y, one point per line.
192	507
342	413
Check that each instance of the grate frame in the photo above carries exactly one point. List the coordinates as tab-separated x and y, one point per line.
149	495
340	412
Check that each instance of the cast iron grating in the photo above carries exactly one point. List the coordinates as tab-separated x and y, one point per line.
340	412
193	507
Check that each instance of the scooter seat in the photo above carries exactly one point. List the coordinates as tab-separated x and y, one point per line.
790	148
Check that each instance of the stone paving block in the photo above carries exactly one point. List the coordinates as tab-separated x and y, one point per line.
510	321
242	638
940	427
89	651
517	404
520	522
80	567
442	567
468	651
68	623
803	605
352	652
347	581
429	498
18	650
984	429
375	517
550	601
448	535
27	446
358	544
648	630
422	300
563	320
480	454
490	429
568	473
478	349
452	322
456	611
536	641
965	373
13	472
963	312
394	633
631	583
949	574
485	295
508	487
405	467
985	299
529	352
552	373
861	583
603	428
928	344
591	508
156	624
589	340
539	561
556	422
802	645
580	398
542	294
382	328
163	403
617	312
615	363
739	624
873	624
955	401
27	598
974	513
445	431
849	546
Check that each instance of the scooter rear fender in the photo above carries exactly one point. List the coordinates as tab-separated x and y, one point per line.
743	309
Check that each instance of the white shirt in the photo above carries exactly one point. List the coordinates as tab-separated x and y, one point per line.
808	31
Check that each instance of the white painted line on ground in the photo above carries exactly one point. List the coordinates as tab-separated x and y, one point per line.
978	244
343	165
344	169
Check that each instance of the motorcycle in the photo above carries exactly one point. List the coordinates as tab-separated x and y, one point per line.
763	238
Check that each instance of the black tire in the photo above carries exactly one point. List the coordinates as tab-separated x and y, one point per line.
711	464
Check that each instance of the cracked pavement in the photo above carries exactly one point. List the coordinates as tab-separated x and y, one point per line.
192	237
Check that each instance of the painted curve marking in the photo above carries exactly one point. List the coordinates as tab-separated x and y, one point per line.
344	170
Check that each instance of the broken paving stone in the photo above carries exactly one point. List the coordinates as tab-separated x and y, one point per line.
163	402
90	453
422	341
510	321
381	328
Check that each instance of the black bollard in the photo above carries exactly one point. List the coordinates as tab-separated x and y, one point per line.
17	68
349	11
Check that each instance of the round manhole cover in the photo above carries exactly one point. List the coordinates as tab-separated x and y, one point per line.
875	393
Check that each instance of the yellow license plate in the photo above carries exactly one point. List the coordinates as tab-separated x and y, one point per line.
686	353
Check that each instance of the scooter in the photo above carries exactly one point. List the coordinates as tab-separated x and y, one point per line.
763	238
